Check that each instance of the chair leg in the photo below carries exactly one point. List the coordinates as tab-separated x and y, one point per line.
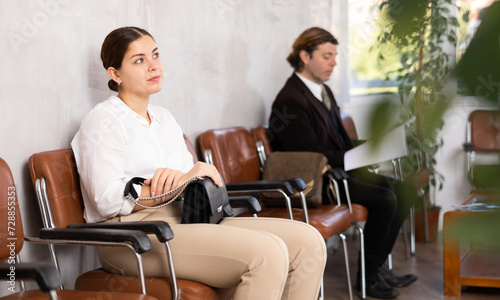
322	290
412	231
346	257
389	261
362	260
405	240
22	286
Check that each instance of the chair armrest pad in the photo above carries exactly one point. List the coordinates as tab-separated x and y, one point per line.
339	174
298	184
468	147
46	275
261	185
251	203
137	239
161	229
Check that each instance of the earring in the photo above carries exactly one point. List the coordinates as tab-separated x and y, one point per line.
119	82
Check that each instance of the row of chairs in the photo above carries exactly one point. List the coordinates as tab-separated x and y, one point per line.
239	155
56	183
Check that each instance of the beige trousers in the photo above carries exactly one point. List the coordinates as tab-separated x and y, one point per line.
265	258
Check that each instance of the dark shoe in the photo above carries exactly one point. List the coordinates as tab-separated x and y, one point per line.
394	280
376	287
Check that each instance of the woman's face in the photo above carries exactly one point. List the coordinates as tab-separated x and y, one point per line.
141	72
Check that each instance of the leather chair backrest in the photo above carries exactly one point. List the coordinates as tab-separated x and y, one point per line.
11	227
191	149
485	130
349	126
261	133
58	167
233	152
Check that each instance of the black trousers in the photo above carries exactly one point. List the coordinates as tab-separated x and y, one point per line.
388	202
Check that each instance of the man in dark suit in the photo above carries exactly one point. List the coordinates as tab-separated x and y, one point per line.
305	117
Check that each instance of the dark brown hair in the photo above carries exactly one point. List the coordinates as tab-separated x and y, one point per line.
115	46
308	41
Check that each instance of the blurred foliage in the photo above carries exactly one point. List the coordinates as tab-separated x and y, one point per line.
479	66
420	29
463	33
478	228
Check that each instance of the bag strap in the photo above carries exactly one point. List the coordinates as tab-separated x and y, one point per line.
130	192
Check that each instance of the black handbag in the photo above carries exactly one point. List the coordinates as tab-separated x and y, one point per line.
204	202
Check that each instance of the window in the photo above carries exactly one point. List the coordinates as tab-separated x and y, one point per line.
368	74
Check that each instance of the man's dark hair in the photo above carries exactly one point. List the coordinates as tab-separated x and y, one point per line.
308	41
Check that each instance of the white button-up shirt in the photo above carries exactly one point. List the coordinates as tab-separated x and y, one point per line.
314	87
114	144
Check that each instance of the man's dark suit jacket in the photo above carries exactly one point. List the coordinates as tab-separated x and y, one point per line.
300	122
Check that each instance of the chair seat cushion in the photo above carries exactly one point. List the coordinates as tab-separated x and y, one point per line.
359	212
329	220
76	295
100	280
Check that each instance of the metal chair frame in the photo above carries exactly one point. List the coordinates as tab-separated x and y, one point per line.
262	157
48	222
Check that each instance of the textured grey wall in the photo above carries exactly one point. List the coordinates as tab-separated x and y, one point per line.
224	63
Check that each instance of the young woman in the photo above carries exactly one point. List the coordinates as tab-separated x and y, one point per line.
125	137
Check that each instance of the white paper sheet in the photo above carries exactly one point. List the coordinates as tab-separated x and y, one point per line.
392	145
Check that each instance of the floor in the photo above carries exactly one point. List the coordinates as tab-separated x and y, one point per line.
427	264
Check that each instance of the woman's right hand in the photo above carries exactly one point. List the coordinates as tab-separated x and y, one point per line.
204	170
163	180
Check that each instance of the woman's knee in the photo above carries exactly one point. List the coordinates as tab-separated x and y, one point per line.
232	251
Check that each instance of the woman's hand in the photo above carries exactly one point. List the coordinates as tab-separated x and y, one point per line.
166	179
163	180
204	170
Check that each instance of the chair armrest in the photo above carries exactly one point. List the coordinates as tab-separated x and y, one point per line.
298	184
46	275
261	186
138	240
468	147
339	174
251	203
161	229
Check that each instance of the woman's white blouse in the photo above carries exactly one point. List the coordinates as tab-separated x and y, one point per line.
114	144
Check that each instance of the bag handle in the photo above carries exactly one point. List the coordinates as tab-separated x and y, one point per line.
131	195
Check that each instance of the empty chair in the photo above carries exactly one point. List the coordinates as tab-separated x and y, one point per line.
482	146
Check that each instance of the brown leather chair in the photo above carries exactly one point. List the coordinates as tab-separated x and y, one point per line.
56	180
483	139
358	212
235	155
11	232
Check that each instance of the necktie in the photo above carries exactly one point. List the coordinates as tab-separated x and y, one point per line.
333	117
325	98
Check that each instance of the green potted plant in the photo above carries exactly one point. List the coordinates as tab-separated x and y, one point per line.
419	30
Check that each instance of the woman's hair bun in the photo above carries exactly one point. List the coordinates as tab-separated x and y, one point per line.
113	85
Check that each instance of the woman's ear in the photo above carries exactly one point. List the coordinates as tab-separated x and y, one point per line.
113	74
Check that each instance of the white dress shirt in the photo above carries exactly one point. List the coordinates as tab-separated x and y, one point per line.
314	87
114	144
